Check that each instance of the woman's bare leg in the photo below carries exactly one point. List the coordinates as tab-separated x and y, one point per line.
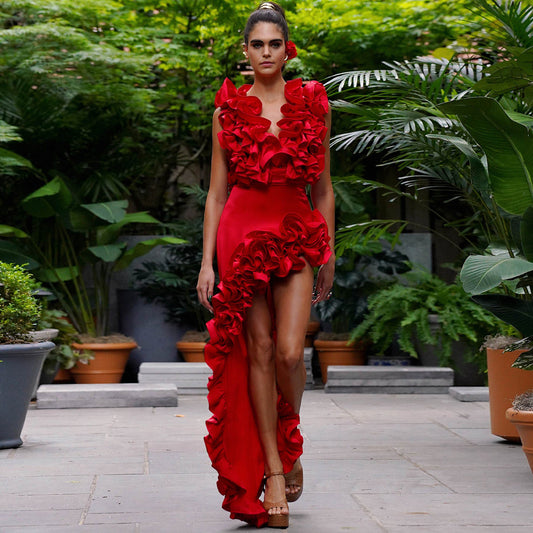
264	394
292	301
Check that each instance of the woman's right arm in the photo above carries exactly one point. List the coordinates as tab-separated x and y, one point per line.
216	199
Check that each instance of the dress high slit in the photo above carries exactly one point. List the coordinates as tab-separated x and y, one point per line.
267	229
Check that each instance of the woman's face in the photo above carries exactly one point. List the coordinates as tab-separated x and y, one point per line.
266	49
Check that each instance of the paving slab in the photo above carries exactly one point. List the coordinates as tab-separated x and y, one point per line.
470	394
67	396
374	463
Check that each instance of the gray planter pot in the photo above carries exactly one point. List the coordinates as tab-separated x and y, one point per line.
20	368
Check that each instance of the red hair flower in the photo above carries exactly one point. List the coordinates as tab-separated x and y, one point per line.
290	47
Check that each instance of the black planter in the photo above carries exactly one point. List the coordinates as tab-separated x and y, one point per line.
20	368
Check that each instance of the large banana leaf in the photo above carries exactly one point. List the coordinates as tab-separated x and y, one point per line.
142	248
107	252
51	199
526	233
10	252
480	273
109	211
11	159
10	231
518	313
508	146
110	234
53	275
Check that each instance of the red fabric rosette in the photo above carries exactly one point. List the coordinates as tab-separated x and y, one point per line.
290	48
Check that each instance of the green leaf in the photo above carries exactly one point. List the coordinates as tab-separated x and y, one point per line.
518	313
508	147
526	233
11	159
108	252
10	252
481	273
524	361
478	167
143	247
53	275
110	234
109	211
9	231
51	199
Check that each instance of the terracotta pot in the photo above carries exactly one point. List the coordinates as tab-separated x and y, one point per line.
338	353
523	421
312	330
63	376
192	352
505	382
108	364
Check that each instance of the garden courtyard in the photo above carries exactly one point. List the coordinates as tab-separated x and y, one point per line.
106	115
374	463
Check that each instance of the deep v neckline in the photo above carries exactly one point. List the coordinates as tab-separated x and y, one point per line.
270	122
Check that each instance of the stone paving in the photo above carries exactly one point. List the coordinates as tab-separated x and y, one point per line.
373	463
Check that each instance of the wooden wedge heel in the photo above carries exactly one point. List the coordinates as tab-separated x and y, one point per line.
280	521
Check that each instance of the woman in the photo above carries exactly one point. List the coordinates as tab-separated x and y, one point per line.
270	140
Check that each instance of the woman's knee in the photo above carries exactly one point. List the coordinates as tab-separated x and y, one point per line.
289	356
260	349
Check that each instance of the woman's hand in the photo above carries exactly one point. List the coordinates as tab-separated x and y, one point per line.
324	281
205	286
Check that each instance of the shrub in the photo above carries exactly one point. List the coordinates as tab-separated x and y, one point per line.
19	309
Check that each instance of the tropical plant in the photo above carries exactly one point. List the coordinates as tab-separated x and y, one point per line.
63	355
359	273
19	308
74	247
171	282
402	311
476	150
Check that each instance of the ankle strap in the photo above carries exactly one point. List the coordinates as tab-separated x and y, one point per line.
274	474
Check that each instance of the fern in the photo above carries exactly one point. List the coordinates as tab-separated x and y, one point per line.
403	311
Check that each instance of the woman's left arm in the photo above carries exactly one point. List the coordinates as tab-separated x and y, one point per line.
324	200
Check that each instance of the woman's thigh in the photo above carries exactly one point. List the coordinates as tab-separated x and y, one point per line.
258	329
292	297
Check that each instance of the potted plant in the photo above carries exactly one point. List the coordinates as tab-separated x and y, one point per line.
478	149
404	311
521	415
75	247
63	356
21	358
171	282
359	272
506	166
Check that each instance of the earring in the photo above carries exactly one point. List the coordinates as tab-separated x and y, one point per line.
286	58
245	54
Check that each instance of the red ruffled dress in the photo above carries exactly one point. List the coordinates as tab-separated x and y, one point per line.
267	229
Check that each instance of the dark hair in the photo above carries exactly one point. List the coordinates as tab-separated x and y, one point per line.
274	13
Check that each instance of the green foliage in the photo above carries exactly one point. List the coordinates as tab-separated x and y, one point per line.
359	273
403	311
63	354
68	240
171	282
118	96
19	309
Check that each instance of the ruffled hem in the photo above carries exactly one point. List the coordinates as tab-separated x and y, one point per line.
259	257
256	156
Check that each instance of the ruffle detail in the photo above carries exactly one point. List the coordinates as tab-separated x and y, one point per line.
257	156
260	256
